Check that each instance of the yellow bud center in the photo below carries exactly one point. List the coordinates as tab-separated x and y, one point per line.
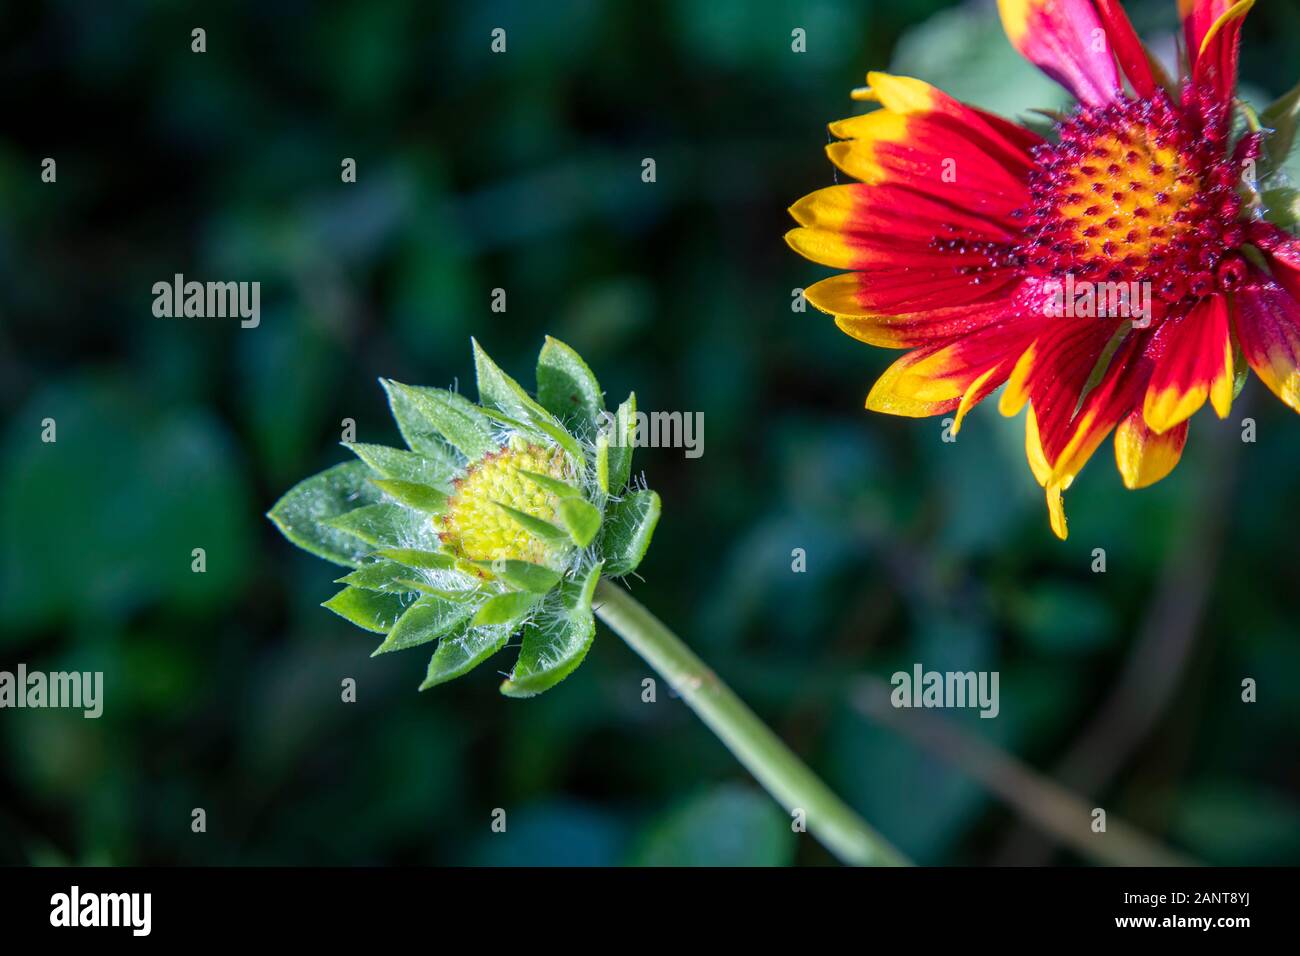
476	528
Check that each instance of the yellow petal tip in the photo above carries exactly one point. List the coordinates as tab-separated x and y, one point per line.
1056	512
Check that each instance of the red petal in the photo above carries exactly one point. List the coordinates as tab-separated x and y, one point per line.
905	307
934	379
1198	16
1130	52
1216	54
1051	375
1266	319
1193	361
1061	37
1114	398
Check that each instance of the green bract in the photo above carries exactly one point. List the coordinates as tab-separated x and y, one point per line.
1279	172
497	519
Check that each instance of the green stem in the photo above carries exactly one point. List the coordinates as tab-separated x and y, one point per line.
773	764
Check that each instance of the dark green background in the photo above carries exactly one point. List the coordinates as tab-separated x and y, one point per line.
522	171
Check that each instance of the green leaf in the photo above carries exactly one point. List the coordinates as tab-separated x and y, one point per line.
1061	618
1282	116
98	522
619	433
384	576
421	497
963	51
543	529
377	525
550	652
513	424
498	390
437	472
730	826
1104	359
523	574
304	514
1230	823
537	431
423	414
434	560
554	647
505	609
567	388
373	610
420	434
1282	206
602	462
581	519
575	595
427	619
629	525
555	486
460	653
1241	370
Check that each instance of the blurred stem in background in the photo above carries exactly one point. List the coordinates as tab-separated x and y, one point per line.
773	764
1039	801
1159	661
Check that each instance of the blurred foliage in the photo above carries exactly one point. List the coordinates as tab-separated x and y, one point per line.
522	172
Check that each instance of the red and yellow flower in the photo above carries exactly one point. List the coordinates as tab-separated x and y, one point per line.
963	228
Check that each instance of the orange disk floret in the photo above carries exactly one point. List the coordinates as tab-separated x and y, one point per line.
1137	190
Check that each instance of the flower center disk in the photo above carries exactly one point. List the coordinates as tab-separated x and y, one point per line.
1133	192
474	525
